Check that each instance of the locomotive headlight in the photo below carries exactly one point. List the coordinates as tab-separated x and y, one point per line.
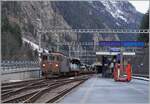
56	65
43	65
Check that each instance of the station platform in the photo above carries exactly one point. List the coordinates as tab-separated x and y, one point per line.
99	90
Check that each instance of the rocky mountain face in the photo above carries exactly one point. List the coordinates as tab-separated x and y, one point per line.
100	14
70	14
25	16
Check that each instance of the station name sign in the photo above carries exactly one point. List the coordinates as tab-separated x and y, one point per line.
122	43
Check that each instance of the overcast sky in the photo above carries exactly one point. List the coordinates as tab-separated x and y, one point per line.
140	5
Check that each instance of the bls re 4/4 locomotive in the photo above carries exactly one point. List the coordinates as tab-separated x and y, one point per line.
56	63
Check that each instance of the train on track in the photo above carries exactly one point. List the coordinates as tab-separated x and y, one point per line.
56	63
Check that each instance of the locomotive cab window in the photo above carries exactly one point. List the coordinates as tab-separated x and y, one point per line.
55	58
58	58
51	58
44	57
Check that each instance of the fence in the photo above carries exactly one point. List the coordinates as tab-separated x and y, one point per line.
8	67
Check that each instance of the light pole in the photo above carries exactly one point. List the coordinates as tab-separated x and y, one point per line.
69	50
121	58
39	28
78	51
57	42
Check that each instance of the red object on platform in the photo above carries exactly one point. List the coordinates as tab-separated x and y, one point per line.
128	71
117	71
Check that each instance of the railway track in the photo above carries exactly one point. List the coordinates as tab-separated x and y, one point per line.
19	90
30	86
58	94
7	87
38	91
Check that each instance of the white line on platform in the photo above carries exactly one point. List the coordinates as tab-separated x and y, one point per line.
86	95
142	78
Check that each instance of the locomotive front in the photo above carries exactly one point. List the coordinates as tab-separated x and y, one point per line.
51	63
55	63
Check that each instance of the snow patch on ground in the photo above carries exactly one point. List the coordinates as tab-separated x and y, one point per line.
33	45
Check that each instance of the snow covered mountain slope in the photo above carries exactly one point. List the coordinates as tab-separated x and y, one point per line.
123	13
100	14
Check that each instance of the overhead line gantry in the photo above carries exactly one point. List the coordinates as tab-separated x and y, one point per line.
110	31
